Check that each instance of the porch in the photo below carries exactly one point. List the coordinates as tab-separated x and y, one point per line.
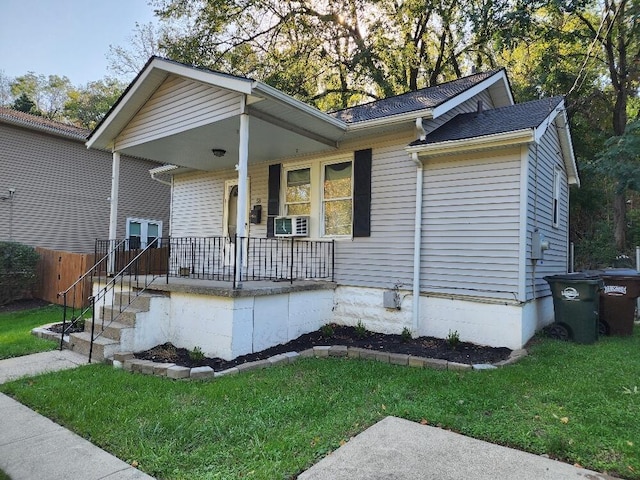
192	293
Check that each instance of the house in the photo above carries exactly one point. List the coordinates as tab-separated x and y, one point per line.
54	193
436	211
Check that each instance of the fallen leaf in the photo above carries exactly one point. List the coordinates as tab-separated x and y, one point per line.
577	465
342	442
564	420
134	464
631	468
629	443
424	422
384	407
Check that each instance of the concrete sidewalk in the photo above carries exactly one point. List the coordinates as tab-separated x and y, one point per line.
30	365
33	447
399	449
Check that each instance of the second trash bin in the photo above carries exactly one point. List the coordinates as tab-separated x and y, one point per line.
576	306
618	301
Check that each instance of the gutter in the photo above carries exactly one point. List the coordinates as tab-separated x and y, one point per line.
159	170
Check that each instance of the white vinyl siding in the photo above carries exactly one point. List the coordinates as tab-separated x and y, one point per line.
544	162
471	224
177	106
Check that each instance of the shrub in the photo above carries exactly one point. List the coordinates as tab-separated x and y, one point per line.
18	265
361	330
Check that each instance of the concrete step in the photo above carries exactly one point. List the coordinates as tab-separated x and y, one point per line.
141	302
127	317
112	330
102	347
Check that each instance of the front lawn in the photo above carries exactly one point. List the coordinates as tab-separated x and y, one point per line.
577	403
15	331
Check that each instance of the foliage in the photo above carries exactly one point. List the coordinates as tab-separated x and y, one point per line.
24	104
17	271
565	400
361	330
327	330
620	158
15	331
49	93
126	62
196	354
406	334
335	54
88	105
453	339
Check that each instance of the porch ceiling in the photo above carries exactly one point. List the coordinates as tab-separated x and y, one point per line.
192	148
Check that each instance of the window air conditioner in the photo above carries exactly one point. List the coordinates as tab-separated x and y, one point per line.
291	226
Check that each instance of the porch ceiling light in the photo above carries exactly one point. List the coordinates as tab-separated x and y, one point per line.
218	152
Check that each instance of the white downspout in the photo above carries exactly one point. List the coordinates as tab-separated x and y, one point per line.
113	214
417	245
417	233
243	161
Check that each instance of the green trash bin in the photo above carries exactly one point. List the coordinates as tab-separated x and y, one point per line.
618	301
576	299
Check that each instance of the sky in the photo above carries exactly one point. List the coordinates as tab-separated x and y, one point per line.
66	37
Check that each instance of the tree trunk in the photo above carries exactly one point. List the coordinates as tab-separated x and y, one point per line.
620	220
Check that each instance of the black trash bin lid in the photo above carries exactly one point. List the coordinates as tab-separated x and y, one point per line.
620	272
589	275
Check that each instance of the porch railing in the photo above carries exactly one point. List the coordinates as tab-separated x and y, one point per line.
216	258
127	274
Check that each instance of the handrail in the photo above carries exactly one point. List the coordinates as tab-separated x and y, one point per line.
92	269
74	286
110	286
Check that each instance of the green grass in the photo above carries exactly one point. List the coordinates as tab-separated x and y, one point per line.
4	476
577	403
15	331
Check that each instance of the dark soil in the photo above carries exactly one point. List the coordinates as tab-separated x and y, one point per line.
429	347
26	304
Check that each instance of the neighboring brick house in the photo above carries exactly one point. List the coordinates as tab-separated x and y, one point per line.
54	192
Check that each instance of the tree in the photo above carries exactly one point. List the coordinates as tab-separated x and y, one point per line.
48	93
24	104
618	39
335	53
127	61
86	106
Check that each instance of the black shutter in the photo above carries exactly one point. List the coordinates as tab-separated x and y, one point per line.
362	193
273	205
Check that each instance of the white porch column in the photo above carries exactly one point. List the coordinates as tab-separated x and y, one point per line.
241	214
113	215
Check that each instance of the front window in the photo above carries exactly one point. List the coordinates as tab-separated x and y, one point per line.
337	200
298	192
141	233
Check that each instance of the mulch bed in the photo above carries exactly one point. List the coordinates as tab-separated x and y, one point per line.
429	347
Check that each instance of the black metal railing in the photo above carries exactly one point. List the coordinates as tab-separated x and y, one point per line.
234	259
126	275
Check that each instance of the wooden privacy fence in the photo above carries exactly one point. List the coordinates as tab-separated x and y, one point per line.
57	271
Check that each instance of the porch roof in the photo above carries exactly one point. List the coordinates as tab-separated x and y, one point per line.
280	125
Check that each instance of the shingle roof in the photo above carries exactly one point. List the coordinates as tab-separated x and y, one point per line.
422	99
15	117
493	121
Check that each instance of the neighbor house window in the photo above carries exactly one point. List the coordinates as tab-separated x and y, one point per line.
141	233
557	177
298	192
337	202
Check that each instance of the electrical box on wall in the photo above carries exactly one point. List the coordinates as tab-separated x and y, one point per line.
538	245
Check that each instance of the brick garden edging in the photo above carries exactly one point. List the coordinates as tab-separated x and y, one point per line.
128	362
